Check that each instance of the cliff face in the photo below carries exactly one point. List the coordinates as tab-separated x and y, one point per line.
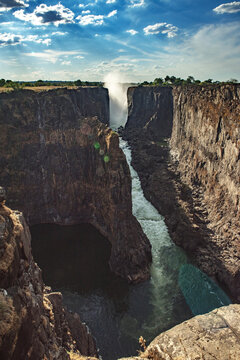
206	142
210	336
154	111
33	322
62	165
196	188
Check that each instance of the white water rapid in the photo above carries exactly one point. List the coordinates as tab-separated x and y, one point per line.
166	256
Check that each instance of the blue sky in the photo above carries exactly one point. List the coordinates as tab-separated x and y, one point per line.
141	39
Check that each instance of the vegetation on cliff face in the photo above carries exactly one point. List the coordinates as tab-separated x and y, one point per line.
173	80
159	81
16	85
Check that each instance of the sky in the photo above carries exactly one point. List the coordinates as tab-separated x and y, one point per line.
140	39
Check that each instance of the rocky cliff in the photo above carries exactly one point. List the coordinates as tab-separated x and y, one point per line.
61	164
210	336
196	188
206	143
33	322
155	113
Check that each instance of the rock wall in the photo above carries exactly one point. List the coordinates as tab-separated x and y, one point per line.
196	188
206	142
33	322
210	336
61	165
155	112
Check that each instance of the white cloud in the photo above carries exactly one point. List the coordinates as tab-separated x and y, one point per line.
212	52
94	19
112	13
66	62
163	28
103	68
136	3
6	5
51	55
47	42
10	39
88	4
132	32
86	12
7	39
110	1
6	23
79	57
45	15
229	8
59	33
90	20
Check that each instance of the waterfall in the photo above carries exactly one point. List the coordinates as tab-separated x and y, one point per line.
118	99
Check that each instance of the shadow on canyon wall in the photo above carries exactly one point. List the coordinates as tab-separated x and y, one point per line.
179	187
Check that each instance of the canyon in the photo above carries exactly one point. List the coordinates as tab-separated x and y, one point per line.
190	171
61	164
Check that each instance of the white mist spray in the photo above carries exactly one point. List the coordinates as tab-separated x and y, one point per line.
117	88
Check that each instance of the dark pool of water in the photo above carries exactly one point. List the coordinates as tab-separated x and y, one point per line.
74	260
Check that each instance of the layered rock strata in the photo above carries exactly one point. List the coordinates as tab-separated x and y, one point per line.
196	188
211	336
61	164
33	323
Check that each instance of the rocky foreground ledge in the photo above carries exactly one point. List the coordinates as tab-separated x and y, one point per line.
212	336
33	322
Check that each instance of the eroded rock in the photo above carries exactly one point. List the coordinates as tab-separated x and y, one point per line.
211	336
33	323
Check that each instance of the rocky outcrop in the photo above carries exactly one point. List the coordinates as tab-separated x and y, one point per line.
196	188
155	112
215	335
33	323
61	165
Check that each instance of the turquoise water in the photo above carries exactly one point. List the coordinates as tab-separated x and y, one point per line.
202	294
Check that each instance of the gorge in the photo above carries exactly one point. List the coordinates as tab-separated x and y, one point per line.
62	166
199	171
